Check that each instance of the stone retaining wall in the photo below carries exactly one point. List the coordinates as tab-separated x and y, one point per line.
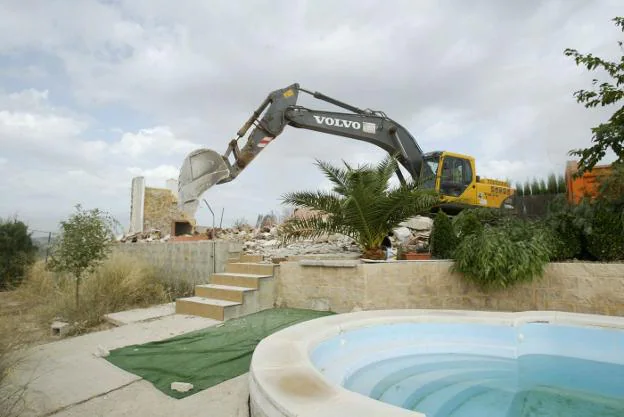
187	261
344	286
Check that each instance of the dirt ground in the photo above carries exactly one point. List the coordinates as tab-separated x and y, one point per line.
17	321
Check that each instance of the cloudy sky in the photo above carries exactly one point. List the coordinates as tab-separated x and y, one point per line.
93	93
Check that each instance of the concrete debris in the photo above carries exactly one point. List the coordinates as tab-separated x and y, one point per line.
402	234
265	239
418	223
181	386
60	328
101	352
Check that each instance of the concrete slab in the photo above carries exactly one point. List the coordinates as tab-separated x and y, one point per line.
140	314
140	398
68	372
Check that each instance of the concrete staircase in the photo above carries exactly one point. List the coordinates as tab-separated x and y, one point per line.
245	287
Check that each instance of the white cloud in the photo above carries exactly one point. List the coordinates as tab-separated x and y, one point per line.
124	88
156	177
158	140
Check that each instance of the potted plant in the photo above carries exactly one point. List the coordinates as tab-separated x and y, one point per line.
418	254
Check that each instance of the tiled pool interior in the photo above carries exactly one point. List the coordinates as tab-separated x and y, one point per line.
473	369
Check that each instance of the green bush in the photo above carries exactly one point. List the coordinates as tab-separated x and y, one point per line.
606	240
17	252
443	238
502	255
564	225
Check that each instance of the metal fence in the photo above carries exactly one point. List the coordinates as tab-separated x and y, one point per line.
43	240
533	206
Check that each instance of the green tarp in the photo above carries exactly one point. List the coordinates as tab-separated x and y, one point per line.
209	356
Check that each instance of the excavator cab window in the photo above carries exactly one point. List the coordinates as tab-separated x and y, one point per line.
429	178
456	176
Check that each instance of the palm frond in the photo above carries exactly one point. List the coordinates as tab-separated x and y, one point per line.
327	202
405	202
339	177
312	227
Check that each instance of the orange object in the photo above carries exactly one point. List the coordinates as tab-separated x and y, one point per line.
415	256
586	185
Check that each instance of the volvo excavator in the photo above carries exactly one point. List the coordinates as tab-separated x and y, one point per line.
452	175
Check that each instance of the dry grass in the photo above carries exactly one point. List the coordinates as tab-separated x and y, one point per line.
120	283
26	313
16	333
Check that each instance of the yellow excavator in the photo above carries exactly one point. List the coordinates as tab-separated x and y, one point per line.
451	174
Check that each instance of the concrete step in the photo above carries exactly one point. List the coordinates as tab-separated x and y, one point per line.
204	307
250	268
222	292
251	258
238	279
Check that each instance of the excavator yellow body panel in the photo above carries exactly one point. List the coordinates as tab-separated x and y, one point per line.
459	185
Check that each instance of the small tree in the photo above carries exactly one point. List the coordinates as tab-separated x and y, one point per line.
552	184
527	188
535	187
561	184
85	241
608	135
443	238
519	190
17	252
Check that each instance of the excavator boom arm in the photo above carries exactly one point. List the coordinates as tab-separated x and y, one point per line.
365	125
204	168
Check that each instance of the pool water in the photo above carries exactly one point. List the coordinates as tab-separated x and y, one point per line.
481	370
462	385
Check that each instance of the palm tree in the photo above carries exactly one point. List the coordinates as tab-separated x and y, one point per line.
360	205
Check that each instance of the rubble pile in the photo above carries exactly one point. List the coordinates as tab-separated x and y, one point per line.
413	233
265	240
153	235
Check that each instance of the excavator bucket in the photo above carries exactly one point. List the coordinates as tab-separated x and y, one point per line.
200	170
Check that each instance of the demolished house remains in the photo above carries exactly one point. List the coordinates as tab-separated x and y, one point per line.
155	217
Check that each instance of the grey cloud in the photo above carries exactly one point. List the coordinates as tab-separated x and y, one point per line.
483	77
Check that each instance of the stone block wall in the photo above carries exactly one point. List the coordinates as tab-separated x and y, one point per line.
161	210
571	287
186	261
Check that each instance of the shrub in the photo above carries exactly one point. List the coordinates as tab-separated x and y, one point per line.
563	228
606	239
443	238
502	255
467	223
17	252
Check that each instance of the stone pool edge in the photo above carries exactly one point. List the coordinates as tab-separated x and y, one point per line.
283	381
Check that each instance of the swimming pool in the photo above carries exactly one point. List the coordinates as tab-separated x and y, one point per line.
443	364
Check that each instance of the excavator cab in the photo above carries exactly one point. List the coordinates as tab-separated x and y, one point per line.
454	179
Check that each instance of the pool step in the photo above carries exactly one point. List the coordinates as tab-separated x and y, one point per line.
232	293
